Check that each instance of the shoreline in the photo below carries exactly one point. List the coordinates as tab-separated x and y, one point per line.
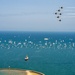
7	71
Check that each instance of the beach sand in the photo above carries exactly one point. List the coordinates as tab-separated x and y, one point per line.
18	72
32	73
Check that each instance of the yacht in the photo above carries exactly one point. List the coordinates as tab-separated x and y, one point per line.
26	58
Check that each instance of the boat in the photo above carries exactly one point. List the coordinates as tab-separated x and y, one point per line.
26	58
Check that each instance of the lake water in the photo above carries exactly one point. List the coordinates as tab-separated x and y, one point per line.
52	53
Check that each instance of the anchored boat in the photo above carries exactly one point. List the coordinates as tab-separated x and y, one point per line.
26	58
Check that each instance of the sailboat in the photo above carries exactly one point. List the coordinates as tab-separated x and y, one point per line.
26	58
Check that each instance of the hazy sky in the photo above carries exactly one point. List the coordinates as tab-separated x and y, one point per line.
36	15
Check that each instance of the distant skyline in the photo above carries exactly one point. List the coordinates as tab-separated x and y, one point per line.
37	15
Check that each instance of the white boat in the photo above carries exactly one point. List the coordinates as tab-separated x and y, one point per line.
26	58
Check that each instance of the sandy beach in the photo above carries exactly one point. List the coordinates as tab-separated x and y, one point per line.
31	73
18	72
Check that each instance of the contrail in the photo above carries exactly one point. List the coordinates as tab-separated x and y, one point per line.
70	7
68	16
72	14
69	12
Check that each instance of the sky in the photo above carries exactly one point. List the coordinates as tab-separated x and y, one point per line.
37	15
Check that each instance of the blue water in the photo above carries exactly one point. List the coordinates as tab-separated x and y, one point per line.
52	53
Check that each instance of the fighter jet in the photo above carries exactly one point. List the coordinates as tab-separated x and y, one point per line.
58	13
58	17
55	13
60	20
61	7
59	10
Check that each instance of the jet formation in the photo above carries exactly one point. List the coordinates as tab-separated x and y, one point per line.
58	14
